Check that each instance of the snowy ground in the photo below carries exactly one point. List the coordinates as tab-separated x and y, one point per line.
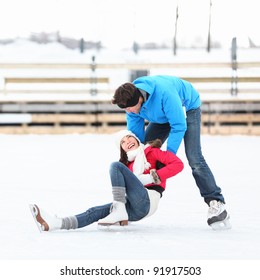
67	174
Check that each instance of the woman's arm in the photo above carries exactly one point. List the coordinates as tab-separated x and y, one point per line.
172	164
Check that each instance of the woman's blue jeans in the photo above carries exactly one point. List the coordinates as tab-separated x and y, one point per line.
200	170
137	200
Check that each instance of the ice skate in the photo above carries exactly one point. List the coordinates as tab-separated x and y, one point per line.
218	218
118	214
43	220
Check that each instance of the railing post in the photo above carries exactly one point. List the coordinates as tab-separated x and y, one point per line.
93	89
234	67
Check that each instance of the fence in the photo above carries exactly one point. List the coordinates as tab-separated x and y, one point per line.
66	103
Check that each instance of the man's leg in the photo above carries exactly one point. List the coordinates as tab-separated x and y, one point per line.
200	170
157	131
218	217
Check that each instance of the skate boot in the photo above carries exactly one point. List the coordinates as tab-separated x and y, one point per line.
118	214
218	218
44	221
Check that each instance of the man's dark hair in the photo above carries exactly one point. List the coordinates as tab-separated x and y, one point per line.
127	95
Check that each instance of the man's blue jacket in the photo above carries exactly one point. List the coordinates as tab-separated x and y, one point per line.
169	97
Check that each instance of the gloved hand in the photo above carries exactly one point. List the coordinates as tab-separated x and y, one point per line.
155	176
146	179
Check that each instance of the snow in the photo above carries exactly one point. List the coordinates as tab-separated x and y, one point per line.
67	174
24	51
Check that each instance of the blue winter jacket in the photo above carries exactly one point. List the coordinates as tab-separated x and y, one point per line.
168	98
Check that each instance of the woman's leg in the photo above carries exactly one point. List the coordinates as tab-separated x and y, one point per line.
48	222
131	201
137	200
93	214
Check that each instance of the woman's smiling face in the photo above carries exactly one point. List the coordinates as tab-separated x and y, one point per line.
129	143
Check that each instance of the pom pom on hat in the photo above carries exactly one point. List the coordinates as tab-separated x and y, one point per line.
121	134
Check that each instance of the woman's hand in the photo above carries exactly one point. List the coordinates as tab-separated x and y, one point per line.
155	176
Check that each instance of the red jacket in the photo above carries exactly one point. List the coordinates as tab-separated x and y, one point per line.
173	165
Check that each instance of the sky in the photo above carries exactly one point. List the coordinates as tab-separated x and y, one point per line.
118	23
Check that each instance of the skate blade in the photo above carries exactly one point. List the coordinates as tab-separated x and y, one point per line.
121	223
111	227
34	212
222	225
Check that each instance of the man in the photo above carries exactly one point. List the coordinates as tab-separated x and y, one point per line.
172	108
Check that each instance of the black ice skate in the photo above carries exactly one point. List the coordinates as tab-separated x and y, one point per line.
218	218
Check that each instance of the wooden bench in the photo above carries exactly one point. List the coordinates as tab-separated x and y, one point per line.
214	121
85	113
225	84
217	79
91	81
30	80
205	82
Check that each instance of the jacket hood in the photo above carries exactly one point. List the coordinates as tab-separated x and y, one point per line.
144	84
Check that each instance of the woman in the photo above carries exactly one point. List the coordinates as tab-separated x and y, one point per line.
138	180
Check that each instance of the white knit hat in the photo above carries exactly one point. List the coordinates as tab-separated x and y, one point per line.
121	134
138	155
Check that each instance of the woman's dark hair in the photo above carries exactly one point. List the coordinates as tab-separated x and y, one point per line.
157	143
123	156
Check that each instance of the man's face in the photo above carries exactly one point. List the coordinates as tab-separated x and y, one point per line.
135	109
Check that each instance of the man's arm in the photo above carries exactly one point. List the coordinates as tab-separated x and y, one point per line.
136	124
174	113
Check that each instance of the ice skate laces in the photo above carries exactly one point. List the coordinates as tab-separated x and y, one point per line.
216	207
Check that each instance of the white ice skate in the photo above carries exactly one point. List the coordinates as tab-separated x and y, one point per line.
43	220
118	214
218	218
